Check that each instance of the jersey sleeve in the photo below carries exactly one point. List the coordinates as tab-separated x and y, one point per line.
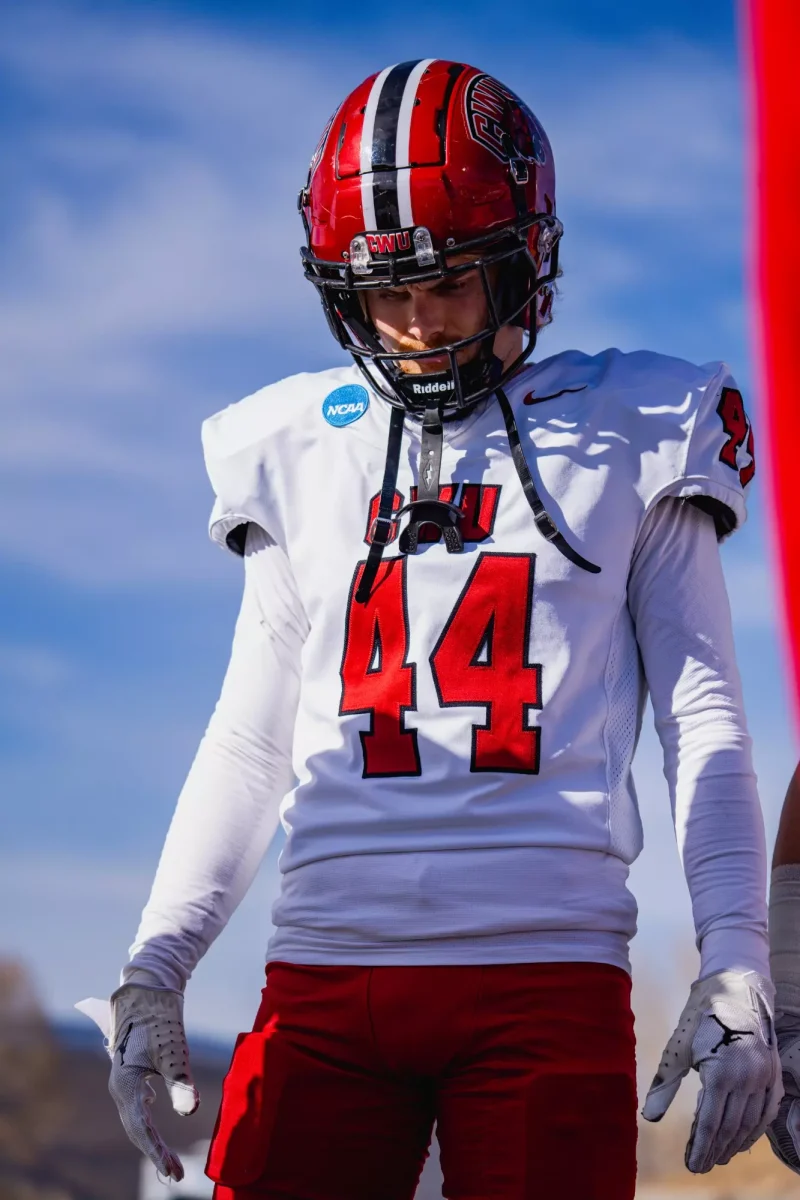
714	466
245	446
234	458
678	601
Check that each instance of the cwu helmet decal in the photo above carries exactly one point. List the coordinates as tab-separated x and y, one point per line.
345	404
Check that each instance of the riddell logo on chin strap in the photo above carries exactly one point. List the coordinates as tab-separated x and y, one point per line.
422	389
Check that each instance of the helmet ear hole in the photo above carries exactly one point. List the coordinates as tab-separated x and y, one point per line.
352	307
363	312
515	290
545	313
351	313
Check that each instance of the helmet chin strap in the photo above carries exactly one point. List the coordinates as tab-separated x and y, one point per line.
428	509
419	391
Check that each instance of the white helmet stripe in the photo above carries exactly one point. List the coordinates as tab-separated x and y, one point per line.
404	143
367	134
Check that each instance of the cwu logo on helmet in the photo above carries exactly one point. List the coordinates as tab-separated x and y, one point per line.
490	109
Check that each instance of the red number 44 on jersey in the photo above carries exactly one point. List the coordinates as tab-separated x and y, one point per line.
480	660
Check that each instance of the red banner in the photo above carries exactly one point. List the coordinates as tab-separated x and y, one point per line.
772	29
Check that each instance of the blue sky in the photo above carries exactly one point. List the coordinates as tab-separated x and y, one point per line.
150	275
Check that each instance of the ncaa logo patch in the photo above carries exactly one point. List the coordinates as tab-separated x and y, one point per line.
345	404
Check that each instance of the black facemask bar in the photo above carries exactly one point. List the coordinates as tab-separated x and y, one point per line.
512	301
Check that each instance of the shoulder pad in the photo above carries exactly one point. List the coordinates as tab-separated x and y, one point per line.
682	428
710	460
240	442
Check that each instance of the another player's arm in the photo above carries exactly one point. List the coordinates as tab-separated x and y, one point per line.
784	937
679	604
787	843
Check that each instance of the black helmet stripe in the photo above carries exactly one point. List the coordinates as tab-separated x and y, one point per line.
379	145
387	115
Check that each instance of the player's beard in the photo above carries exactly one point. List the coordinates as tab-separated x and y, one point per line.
434	364
507	346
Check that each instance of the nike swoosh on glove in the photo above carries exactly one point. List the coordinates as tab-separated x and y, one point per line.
727	1033
144	1035
784	1132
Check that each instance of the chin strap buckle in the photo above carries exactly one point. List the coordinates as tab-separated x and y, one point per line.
439	513
544	523
380	531
428	509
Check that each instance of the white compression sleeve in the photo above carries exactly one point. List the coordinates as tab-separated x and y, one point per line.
227	811
680	608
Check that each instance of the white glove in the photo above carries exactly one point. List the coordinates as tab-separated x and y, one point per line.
144	1035
784	1132
784	938
727	1033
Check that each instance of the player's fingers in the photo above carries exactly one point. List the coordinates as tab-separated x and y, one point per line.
774	1098
764	1106
702	1141
768	1105
742	1115
133	1095
146	1137
662	1093
676	1061
184	1096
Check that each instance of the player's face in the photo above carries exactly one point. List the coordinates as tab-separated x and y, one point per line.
423	316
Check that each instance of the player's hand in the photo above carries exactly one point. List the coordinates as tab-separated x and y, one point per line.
144	1035
784	1132
727	1033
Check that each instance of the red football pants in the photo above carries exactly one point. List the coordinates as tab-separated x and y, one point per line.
527	1071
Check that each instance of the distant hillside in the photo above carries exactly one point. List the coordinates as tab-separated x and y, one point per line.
89	1157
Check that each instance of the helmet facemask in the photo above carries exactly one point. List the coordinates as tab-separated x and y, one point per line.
517	267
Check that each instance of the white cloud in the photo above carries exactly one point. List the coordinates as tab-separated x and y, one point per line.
656	136
32	667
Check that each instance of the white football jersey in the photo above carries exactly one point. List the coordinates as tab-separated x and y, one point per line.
463	740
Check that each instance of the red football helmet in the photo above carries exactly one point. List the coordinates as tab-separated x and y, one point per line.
423	163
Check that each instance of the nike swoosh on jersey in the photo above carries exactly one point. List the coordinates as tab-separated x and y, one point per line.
533	399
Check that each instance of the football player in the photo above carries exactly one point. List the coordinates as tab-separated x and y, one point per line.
464	570
784	937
